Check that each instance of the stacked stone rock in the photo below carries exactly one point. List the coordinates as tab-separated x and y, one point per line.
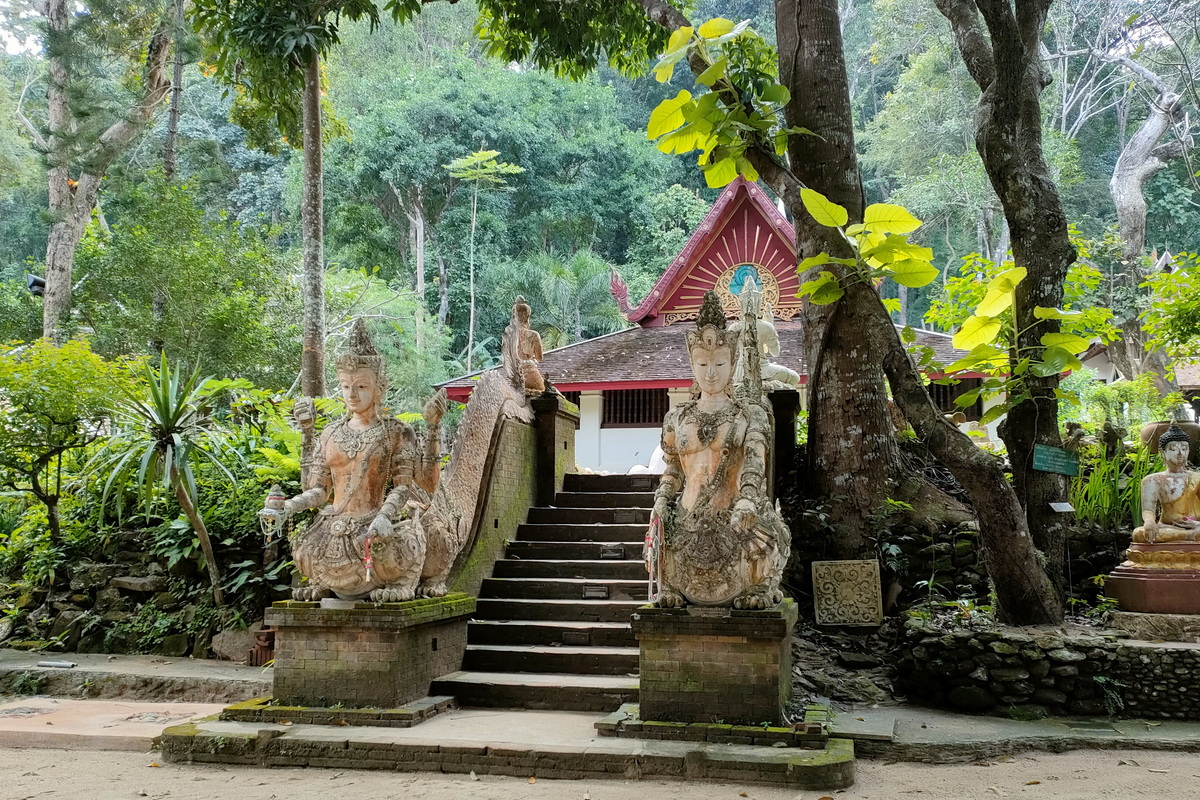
1035	674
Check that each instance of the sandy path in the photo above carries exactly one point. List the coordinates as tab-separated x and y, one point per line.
1081	775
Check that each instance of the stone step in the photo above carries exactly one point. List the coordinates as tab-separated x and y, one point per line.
589	516
604	499
579	482
626	569
548	632
551	658
545	691
570	610
583	551
540	532
565	588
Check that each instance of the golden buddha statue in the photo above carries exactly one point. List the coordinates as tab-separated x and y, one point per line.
722	541
1176	489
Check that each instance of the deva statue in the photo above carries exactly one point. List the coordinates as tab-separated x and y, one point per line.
367	539
716	538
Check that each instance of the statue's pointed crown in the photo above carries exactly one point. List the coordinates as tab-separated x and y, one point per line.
360	353
712	332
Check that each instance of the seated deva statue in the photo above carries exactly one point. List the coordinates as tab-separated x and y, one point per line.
716	539
366	540
1176	489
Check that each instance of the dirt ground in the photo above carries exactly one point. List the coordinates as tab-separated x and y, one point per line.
1080	775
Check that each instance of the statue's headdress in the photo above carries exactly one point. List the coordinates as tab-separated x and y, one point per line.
711	330
360	353
1173	434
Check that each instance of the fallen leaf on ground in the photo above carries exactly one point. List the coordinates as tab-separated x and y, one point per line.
1128	763
1161	771
860	719
532	779
742	794
474	777
154	764
1032	783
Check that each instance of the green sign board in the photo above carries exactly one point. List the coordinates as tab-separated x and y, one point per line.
1055	459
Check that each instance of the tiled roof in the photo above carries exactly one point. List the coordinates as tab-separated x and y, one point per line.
660	355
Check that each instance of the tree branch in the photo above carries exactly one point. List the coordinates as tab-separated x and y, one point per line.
972	42
38	140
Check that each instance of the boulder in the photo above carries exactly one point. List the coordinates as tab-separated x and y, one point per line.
88	575
148	584
175	645
235	644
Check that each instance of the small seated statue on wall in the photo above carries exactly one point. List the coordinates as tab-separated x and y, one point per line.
716	537
1176	489
523	350
367	539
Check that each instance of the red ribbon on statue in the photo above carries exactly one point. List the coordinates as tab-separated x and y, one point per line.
367	559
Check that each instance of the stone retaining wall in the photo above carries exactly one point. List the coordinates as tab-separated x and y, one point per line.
1037	673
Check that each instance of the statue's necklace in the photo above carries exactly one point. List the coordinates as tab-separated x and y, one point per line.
354	441
709	422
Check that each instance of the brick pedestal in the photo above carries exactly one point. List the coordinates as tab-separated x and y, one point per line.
715	664
375	656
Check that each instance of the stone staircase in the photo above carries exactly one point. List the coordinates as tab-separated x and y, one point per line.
551	629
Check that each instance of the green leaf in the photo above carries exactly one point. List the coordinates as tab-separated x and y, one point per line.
668	115
967	399
976	331
994	303
722	173
713	73
908	335
1067	341
1055	313
718	26
980	354
889	218
992	414
823	210
824	258
680	140
823	289
1008	280
1055	360
892	305
776	93
913	273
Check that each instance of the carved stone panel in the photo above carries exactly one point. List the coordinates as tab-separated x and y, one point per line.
847	592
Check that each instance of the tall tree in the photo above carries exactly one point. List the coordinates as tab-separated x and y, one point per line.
84	133
272	49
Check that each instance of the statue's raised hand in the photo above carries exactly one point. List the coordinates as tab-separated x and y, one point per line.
745	515
380	528
304	412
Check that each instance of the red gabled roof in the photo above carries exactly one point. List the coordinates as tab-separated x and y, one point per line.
742	227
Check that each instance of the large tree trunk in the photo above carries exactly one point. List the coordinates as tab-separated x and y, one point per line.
71	205
1005	61
312	225
852	448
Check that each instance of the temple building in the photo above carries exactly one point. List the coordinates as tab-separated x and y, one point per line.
625	382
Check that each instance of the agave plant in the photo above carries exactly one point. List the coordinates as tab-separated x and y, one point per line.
157	440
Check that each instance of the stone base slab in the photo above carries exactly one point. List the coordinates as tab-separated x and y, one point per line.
212	741
626	723
1152	627
715	665
1155	590
371	656
263	709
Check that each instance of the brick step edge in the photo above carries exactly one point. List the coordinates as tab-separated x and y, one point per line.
829	769
626	724
260	709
